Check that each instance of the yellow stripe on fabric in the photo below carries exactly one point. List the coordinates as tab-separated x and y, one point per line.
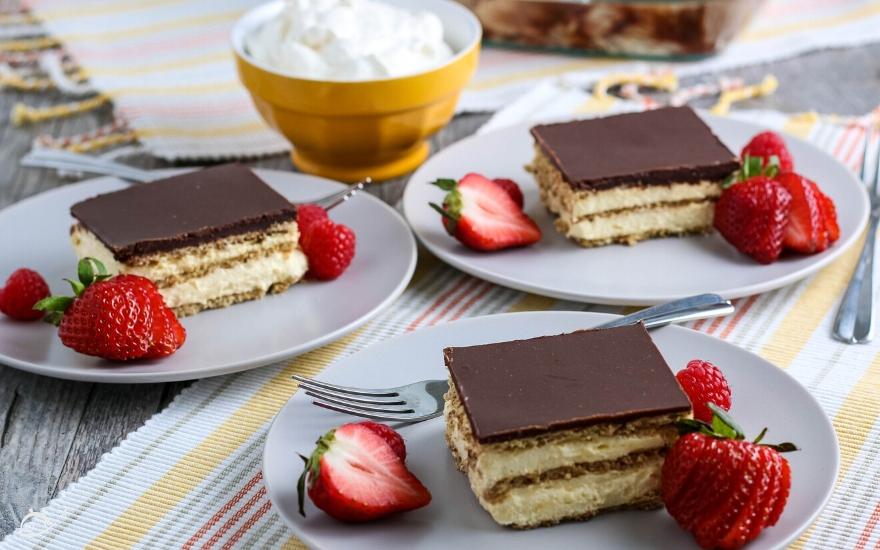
801	124
77	10
535	73
293	544
186	89
191	470
152	29
853	422
813	24
799	324
176	64
532	302
239	129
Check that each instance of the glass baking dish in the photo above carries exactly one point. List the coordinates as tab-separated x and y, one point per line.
636	28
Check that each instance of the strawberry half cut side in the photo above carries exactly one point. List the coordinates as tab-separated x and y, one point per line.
355	475
482	215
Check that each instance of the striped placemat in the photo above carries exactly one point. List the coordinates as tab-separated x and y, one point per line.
190	477
167	65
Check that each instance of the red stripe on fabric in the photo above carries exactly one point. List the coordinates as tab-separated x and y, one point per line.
849	159
454	302
741	312
261	511
235	517
440	299
850	128
223	511
467	305
698	324
862	542
718	320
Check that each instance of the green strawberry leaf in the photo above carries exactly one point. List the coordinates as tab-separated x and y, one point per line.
53	318
760	436
446	184
786	447
54	303
312	468
77	286
723	424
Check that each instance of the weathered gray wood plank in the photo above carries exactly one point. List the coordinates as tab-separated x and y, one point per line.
54	431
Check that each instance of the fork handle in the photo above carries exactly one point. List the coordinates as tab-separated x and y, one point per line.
855	318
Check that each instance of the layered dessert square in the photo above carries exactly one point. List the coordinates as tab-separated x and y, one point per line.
208	238
630	177
561	428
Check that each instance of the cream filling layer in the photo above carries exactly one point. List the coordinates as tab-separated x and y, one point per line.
582	496
257	273
161	266
670	219
494	464
587	203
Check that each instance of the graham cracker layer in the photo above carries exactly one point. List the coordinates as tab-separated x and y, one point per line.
624	214
552	483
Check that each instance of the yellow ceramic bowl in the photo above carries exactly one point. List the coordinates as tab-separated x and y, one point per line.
348	130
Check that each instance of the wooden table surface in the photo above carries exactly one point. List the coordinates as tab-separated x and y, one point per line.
54	431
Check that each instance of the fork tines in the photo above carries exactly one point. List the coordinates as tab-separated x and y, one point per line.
375	404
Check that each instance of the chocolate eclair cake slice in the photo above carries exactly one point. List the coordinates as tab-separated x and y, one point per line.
630	177
561	428
208	238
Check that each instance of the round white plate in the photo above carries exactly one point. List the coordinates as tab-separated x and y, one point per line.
35	233
651	272
454	519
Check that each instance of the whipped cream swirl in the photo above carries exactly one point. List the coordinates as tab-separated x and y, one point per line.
349	40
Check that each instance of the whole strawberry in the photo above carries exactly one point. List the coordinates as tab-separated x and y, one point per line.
357	473
722	489
767	145
482	215
329	247
704	383
117	318
23	289
752	215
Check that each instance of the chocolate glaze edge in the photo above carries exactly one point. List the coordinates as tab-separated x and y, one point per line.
273	209
715	171
683	407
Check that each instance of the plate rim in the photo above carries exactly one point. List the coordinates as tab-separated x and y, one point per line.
115	377
821	260
827	423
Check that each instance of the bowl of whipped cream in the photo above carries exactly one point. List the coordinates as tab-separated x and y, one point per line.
357	86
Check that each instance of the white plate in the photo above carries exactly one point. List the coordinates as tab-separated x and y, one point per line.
35	233
763	395
651	272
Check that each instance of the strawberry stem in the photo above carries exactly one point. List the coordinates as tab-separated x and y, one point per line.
724	427
312	468
88	271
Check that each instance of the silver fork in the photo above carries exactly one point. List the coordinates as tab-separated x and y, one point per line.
854	323
423	400
77	162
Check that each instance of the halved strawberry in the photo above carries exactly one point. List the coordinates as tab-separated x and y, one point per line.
829	213
355	474
512	189
482	216
805	232
390	436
